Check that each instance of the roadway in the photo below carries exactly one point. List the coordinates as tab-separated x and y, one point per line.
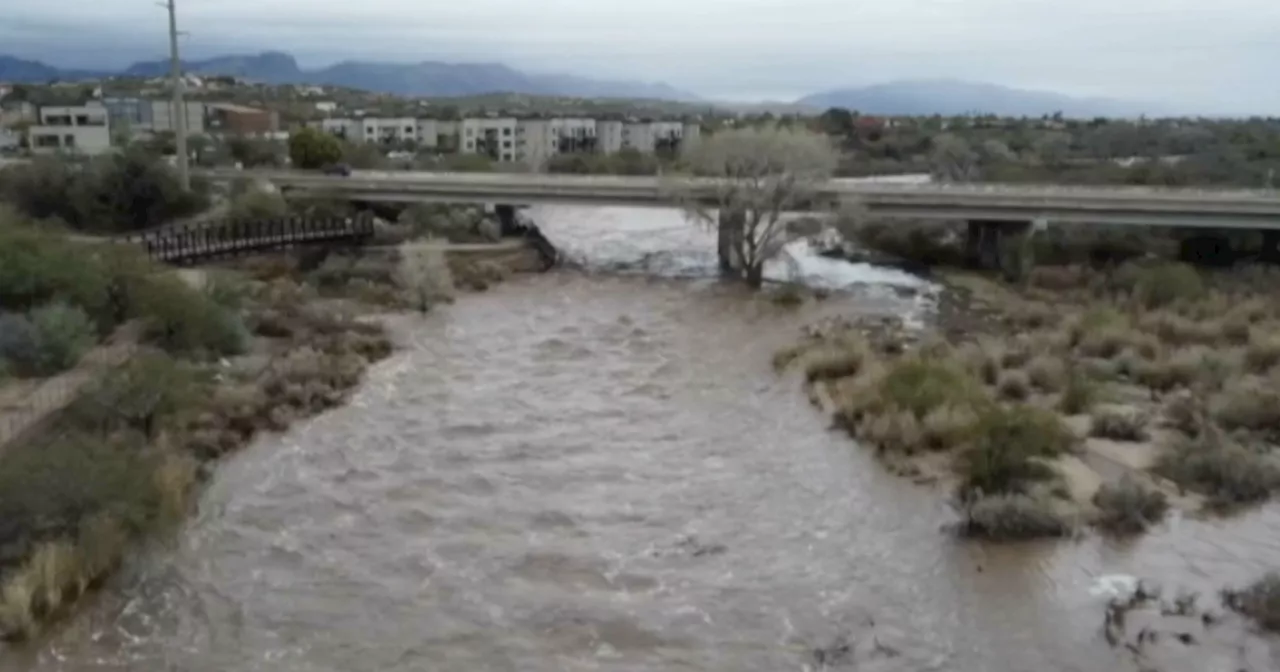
901	199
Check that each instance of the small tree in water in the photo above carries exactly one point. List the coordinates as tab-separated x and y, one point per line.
424	275
758	174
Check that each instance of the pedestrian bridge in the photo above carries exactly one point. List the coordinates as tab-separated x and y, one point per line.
187	243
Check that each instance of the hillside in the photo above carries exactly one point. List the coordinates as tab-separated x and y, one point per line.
953	97
408	79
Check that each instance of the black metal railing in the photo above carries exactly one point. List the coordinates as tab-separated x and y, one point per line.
228	237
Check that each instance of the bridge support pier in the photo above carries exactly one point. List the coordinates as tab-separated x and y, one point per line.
1209	248
1000	246
1270	247
728	234
507	220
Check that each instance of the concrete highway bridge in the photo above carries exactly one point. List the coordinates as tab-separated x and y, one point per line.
992	210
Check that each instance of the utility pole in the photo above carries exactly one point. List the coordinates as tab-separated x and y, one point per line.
179	106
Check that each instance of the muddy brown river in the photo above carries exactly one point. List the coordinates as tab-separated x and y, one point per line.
592	470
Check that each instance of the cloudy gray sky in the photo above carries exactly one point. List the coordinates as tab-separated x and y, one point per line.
1219	55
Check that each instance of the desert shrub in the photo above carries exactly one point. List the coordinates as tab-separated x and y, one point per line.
827	364
1128	506
1225	472
1094	320
151	393
1119	425
1262	353
1014	386
37	267
256	203
423	273
948	426
983	360
1059	278
1260	601
1163	284
63	334
921	385
1078	394
1176	330
1011	517
181	319
1001	456
19	341
1254	407
1047	373
893	431
1186	413
1185	368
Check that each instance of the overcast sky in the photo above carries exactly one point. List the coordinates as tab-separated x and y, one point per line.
1219	55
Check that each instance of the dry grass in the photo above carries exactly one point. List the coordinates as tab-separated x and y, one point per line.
1119	425
1262	353
828	364
1252	405
1078	394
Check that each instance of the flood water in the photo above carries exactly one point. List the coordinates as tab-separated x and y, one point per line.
598	470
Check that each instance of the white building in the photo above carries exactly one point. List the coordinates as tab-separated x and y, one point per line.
494	137
349	129
537	140
164	119
609	136
389	130
78	129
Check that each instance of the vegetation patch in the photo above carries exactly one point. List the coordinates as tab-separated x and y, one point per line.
1119	425
1128	506
1259	601
1225	472
1011	517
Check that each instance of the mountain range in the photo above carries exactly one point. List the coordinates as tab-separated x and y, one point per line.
433	78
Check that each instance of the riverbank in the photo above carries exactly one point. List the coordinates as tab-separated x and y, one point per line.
124	460
1079	397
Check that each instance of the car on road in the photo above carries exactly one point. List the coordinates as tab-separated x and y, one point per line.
340	169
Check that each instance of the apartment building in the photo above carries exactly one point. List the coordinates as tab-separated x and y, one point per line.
493	137
388	130
76	129
347	129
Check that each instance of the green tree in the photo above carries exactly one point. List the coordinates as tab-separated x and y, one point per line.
311	148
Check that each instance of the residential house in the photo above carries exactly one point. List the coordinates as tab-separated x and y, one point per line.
78	129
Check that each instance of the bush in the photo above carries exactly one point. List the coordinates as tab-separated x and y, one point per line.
1014	386
1006	442
1260	601
1129	507
19	342
1263	353
1163	284
1013	516
63	334
1252	407
1227	473
921	385
423	273
183	320
1047	373
258	204
835	363
37	267
311	148
1119	426
1078	395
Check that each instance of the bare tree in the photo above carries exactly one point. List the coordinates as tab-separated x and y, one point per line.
753	176
423	274
953	160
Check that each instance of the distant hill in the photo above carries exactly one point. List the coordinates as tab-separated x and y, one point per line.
14	69
407	79
954	97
